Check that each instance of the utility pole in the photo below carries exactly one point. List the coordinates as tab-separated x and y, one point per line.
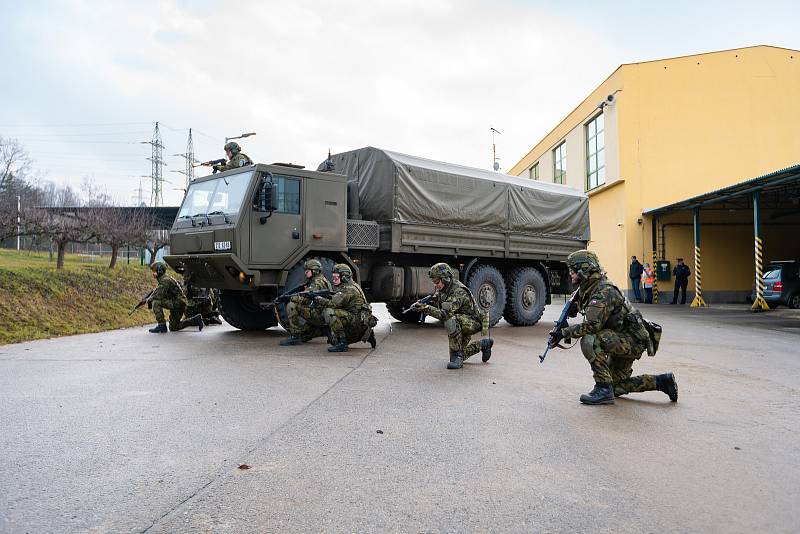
156	175
495	162
19	226
190	161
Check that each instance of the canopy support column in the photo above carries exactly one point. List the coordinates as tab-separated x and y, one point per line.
654	223
698	301
759	304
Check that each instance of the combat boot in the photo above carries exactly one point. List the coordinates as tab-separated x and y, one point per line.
456	360
198	321
601	394
371	340
291	340
486	349
666	384
340	346
213	320
160	328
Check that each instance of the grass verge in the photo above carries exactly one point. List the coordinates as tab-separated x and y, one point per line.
37	301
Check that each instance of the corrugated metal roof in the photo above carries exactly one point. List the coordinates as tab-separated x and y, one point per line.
764	182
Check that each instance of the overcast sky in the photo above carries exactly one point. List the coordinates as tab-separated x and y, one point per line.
84	82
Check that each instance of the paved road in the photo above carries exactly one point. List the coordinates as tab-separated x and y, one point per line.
129	432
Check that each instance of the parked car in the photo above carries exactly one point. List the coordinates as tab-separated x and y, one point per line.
782	284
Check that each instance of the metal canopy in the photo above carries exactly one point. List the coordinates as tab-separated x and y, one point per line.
162	216
782	181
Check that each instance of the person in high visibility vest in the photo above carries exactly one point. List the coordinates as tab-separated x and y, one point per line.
648	277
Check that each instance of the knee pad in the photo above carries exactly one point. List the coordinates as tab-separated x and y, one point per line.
328	315
451	325
589	347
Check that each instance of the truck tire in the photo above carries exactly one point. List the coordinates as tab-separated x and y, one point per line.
526	297
240	310
396	311
487	286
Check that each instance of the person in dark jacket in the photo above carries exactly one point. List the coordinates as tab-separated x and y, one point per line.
681	273
635	274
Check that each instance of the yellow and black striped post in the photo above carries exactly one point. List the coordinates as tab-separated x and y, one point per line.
698	301
759	304
655	277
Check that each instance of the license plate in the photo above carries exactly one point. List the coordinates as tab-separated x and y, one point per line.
222	245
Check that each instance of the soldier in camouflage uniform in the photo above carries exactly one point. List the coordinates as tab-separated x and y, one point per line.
236	158
169	295
306	321
199	300
455	306
347	313
611	335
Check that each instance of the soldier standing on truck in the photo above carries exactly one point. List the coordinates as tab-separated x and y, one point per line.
169	295
347	313
454	304
236	158
612	335
306	321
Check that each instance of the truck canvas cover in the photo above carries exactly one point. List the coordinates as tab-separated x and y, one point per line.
394	187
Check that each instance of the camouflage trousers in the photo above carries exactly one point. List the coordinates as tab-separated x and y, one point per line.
176	309
460	329
202	306
344	325
611	355
304	321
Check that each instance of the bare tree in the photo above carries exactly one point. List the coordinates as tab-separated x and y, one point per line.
118	227
63	220
157	239
14	160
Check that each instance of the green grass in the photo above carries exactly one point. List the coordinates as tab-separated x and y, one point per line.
37	301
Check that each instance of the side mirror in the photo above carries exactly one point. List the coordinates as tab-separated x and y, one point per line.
267	197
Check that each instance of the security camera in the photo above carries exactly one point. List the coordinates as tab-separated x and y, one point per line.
610	99
607	101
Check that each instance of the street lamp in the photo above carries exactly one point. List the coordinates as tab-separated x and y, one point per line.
242	136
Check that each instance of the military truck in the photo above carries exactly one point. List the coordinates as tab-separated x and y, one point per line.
247	232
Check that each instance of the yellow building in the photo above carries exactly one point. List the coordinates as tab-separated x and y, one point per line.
659	140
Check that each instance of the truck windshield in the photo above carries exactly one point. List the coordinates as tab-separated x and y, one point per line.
223	195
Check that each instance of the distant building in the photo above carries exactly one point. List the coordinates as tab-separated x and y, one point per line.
657	139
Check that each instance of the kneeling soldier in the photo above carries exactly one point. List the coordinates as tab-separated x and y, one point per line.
199	300
306	321
169	295
612	336
347	313
454	304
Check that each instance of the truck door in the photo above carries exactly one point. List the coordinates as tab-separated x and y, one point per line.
273	242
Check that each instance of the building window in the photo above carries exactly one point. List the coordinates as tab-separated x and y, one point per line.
595	153
560	163
533	172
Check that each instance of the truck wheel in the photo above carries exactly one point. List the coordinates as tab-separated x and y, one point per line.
487	285
296	276
239	309
396	311
526	296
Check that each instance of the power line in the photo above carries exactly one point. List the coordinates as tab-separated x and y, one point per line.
67	125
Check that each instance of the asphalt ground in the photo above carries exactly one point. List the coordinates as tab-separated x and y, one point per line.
127	431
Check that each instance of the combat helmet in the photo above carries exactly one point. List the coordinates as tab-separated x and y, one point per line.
315	266
344	271
584	263
159	268
233	147
442	271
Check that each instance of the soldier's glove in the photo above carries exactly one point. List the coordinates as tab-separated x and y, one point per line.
573	310
420	308
565	335
319	302
217	167
149	304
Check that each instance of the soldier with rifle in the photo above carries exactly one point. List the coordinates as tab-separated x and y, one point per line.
612	336
347	313
199	300
169	295
454	304
236	158
305	319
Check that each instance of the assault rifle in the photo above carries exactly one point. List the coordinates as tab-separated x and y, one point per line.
422	301
211	163
298	292
554	336
145	300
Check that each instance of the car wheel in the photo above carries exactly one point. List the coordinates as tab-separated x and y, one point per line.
793	301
